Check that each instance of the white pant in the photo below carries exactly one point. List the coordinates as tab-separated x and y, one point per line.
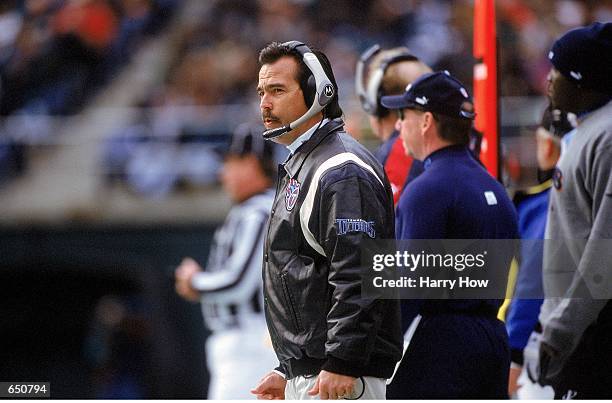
366	387
238	358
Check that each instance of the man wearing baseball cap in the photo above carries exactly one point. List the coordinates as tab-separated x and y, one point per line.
576	316
454	198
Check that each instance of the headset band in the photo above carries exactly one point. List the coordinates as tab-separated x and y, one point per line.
369	94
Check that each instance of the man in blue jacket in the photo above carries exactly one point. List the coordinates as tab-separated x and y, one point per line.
459	349
532	206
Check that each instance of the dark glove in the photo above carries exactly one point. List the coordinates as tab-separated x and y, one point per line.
546	354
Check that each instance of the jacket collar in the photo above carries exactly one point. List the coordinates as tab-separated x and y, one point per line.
304	137
295	161
449	151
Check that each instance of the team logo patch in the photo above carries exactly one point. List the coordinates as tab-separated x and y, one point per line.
570	395
346	225
422	100
291	193
557	179
576	75
491	199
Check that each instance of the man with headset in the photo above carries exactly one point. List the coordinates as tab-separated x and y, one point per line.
388	72
332	195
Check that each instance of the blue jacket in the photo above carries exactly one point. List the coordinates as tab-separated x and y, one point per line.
532	207
448	201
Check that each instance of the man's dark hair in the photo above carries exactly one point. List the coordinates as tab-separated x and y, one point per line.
453	130
276	50
246	141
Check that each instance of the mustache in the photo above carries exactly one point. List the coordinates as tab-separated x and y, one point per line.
269	115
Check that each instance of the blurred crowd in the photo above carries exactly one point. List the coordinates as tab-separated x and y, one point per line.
223	43
76	42
55	54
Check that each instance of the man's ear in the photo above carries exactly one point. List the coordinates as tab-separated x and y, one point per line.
379	123
427	121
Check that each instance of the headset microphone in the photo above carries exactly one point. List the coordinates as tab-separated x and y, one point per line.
272	133
324	89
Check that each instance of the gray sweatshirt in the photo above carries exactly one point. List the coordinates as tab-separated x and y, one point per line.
578	250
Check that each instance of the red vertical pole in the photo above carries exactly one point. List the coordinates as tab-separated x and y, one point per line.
485	84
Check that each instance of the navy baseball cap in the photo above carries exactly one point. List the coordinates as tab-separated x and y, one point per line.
584	56
247	139
437	92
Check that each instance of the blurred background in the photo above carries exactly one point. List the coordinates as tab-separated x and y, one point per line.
114	115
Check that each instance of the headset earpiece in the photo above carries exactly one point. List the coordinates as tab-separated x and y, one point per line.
311	90
370	93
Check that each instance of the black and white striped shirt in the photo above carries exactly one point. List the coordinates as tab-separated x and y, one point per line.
231	283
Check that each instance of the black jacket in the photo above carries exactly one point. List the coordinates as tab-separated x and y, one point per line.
331	195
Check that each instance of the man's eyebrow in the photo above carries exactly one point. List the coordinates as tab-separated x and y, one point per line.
271	86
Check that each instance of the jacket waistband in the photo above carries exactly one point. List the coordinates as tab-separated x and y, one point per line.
480	310
379	367
304	366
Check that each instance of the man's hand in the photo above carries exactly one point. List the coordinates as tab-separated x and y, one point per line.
270	387
183	275
332	386
513	387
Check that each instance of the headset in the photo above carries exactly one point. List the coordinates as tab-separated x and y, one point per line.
369	95
320	89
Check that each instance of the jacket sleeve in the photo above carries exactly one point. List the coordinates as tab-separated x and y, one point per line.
353	207
521	321
591	286
524	309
